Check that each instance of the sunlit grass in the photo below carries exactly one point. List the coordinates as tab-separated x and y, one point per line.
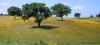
53	31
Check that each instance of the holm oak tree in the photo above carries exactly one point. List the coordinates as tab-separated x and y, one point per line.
13	11
60	10
37	10
77	14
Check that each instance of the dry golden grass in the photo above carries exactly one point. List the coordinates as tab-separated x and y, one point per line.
69	31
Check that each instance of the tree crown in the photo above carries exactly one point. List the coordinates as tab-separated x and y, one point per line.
61	9
13	10
36	10
77	14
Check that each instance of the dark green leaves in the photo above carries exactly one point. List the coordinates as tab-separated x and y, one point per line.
37	10
60	10
14	11
77	14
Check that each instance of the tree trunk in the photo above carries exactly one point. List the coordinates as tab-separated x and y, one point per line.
14	17
62	18
39	23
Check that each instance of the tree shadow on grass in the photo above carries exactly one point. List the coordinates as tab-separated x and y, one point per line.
46	27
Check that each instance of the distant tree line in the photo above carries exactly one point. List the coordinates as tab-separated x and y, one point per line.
98	15
1	14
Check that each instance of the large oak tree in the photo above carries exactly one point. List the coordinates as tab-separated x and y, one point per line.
37	10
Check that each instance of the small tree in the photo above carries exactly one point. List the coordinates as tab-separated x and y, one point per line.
77	14
1	14
37	10
13	11
91	15
99	15
60	10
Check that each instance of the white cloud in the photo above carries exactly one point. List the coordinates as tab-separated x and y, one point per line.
65	3
4	3
78	7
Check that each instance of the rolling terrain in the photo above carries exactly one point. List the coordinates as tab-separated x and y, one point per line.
53	31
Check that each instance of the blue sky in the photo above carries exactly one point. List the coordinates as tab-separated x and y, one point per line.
85	7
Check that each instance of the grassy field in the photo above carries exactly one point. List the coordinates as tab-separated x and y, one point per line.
71	31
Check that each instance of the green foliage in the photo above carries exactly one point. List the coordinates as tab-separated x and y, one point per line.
91	15
14	11
60	10
77	14
1	14
37	10
98	15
